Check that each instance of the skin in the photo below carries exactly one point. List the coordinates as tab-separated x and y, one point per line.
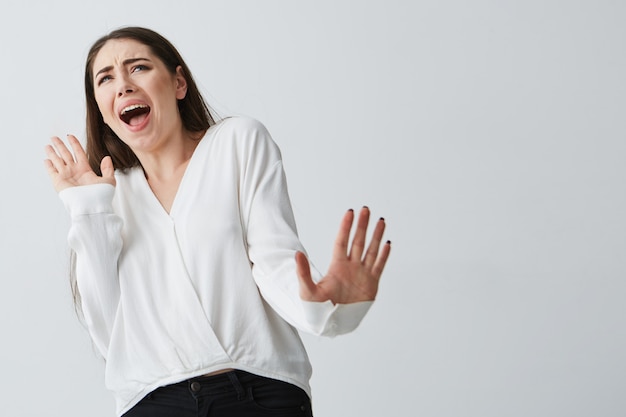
127	72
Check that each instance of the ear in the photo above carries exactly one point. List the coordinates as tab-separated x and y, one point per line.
181	83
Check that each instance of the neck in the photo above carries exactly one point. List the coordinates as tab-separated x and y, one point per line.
168	161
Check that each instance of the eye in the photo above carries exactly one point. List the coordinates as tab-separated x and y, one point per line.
104	79
138	68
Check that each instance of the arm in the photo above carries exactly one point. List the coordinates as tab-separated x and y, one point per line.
95	233
327	306
95	238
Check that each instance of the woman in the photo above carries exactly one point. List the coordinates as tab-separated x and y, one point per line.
188	266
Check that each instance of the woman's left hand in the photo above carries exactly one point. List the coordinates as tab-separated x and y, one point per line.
353	274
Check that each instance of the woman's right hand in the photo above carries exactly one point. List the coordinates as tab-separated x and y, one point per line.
71	170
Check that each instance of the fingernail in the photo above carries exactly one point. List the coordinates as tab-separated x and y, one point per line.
382	218
365	207
350	210
389	242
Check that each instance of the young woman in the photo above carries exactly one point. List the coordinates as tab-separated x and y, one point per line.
188	268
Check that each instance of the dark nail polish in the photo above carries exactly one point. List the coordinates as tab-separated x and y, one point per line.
382	218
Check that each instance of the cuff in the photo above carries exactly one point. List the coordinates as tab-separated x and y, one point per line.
327	319
88	199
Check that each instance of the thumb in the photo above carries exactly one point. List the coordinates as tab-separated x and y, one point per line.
106	167
303	269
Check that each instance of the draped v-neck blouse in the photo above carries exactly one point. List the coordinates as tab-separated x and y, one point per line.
208	286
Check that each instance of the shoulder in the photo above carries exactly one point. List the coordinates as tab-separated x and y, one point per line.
246	135
241	126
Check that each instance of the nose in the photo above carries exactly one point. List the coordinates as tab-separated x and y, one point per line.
124	87
125	90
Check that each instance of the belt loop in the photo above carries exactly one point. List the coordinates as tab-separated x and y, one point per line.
237	385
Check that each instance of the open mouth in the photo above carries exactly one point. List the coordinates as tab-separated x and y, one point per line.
134	114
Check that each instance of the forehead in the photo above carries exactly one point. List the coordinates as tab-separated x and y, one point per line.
115	51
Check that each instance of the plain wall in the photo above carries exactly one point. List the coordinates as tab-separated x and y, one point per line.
489	134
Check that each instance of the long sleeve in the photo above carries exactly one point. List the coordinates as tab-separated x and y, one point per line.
95	237
272	241
209	285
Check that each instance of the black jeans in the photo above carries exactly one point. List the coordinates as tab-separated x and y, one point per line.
232	394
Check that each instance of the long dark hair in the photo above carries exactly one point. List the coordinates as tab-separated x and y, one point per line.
101	140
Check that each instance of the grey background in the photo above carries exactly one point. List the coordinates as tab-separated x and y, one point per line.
490	134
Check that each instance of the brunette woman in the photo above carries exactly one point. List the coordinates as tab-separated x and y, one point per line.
188	269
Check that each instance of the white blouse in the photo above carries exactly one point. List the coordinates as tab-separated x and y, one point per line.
209	286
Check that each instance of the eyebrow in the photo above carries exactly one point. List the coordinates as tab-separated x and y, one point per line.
125	63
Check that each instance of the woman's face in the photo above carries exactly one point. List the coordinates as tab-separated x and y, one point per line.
137	95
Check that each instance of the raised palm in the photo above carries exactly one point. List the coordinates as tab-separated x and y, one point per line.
67	169
354	273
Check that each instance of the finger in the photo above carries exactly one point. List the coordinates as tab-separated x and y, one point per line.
358	242
377	270
303	269
372	250
106	167
343	237
52	171
77	148
54	157
107	170
62	150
